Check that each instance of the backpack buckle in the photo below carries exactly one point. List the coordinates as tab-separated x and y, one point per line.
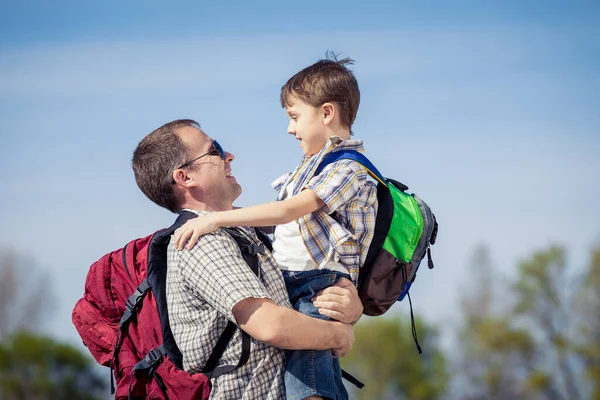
254	249
134	299
153	357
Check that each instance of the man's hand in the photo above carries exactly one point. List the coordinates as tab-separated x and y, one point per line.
340	302
346	341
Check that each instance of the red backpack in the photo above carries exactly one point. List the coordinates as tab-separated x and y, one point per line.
123	320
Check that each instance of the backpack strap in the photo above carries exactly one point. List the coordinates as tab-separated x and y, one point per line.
140	292
155	356
133	300
149	364
354	155
249	253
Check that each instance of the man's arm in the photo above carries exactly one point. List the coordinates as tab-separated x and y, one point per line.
216	272
288	329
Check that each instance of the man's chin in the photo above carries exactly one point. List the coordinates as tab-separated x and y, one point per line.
237	191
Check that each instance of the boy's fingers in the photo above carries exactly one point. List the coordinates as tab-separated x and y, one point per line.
185	234
176	241
193	240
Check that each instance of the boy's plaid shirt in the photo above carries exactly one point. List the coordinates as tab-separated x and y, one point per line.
345	190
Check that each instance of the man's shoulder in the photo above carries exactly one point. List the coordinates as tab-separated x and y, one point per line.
209	247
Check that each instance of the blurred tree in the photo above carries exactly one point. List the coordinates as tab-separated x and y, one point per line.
36	367
587	310
522	343
495	358
385	357
544	306
25	296
33	366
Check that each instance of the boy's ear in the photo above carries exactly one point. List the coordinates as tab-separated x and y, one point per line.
328	113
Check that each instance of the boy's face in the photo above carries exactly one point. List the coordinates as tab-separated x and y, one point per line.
307	125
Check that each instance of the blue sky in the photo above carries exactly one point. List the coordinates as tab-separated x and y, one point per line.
488	111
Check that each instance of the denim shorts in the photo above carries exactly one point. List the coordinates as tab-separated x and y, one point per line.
312	372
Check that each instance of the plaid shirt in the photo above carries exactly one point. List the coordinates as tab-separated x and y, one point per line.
345	190
203	285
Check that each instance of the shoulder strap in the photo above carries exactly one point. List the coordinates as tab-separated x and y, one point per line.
264	239
157	254
157	277
351	155
249	252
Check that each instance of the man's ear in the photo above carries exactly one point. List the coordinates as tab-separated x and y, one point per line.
328	111
182	178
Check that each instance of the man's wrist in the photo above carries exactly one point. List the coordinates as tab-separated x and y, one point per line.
339	336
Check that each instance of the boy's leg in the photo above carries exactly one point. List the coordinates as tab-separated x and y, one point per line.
310	372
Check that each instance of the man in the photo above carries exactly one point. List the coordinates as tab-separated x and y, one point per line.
179	167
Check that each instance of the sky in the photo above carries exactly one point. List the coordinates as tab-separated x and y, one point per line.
487	110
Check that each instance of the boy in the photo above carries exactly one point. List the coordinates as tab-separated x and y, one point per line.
324	223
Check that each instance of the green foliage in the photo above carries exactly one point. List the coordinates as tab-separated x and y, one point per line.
37	367
588	308
531	349
385	357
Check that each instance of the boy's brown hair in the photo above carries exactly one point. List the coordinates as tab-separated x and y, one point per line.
327	80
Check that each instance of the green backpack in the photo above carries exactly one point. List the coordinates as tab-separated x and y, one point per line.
405	228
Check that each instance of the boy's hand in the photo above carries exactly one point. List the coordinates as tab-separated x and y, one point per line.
346	340
340	302
193	229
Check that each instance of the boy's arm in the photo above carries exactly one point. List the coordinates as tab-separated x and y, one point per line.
274	213
269	230
288	329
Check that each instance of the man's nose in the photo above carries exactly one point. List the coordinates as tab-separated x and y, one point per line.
229	157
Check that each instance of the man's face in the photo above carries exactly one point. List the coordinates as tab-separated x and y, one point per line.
306	124
211	172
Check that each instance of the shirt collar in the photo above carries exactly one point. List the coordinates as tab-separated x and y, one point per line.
336	143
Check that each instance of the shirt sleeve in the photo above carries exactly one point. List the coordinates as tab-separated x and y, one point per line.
338	183
278	183
216	271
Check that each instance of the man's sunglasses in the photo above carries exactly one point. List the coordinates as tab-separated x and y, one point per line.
217	150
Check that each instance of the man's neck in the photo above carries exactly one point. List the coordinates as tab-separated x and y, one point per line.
200	206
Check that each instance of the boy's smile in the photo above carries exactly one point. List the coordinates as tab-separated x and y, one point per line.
306	124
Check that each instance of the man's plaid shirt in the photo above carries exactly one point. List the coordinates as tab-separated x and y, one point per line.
203	285
345	190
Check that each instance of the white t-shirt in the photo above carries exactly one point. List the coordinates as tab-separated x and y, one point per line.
290	252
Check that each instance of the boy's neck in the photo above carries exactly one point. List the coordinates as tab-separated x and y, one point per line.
339	131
